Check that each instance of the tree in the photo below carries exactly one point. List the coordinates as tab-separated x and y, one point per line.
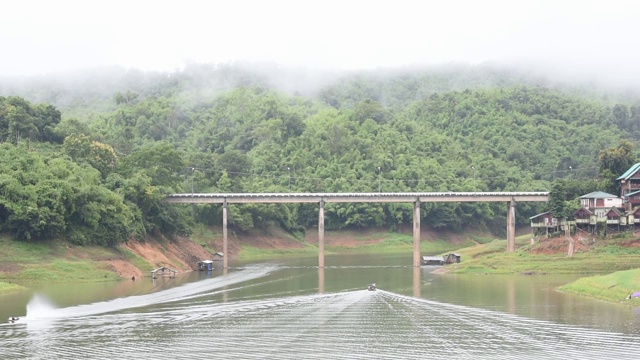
100	156
613	162
125	98
161	161
557	200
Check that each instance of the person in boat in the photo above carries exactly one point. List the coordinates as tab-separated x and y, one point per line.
13	319
372	287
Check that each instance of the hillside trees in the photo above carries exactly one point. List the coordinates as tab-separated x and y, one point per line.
144	178
613	162
482	140
439	131
82	190
22	121
100	156
43	198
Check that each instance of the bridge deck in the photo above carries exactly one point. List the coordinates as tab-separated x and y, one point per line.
239	198
321	198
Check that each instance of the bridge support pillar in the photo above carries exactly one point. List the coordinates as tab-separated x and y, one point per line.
225	254
511	226
416	233
321	235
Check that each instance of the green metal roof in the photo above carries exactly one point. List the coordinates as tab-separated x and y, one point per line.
632	170
597	195
538	215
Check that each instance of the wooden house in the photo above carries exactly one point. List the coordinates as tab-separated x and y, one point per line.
543	220
599	203
585	220
584	217
543	224
630	186
600	209
616	218
633	217
631	200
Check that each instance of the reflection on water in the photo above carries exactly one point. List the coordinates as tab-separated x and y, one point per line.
321	280
416	282
296	310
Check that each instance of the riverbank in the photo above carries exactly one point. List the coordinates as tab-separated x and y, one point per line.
61	262
610	265
58	261
615	287
274	242
549	256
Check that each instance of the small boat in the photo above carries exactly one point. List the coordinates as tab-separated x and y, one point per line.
372	287
13	319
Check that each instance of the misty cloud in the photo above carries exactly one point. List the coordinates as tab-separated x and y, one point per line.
595	39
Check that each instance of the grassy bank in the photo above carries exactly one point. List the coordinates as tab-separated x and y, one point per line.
613	263
490	258
6	288
53	262
519	262
254	253
401	243
390	242
614	287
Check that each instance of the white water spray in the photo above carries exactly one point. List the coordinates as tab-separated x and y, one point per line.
39	307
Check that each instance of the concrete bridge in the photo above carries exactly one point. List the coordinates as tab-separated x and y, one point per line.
510	198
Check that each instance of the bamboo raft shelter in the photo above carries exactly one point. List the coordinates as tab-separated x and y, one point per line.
164	272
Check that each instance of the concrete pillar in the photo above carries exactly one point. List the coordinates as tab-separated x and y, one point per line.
511	226
416	233
225	253
321	235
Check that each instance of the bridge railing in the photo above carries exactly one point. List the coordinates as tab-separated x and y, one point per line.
357	197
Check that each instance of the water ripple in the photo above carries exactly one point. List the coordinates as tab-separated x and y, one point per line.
356	324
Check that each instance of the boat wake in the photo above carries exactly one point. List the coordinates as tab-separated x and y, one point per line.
187	322
39	308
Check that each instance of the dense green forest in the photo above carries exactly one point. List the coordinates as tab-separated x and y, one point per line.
90	160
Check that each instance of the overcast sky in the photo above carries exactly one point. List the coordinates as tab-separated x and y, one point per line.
44	36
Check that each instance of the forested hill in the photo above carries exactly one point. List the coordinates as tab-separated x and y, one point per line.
94	167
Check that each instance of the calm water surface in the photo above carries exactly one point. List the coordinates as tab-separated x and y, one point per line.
292	310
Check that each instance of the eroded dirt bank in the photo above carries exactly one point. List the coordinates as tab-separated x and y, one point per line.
183	254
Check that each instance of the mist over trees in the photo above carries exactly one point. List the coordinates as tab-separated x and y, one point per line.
90	158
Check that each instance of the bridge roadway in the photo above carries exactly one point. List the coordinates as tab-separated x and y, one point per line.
321	198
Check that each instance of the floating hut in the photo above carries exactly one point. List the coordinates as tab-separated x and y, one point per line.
432	260
218	256
205	265
164	272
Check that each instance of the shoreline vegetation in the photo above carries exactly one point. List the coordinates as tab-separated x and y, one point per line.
609	265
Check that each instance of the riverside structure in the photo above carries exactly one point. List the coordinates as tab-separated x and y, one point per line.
510	198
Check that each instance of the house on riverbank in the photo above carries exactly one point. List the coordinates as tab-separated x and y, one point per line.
599	212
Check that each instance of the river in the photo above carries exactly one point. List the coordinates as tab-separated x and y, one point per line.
290	309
